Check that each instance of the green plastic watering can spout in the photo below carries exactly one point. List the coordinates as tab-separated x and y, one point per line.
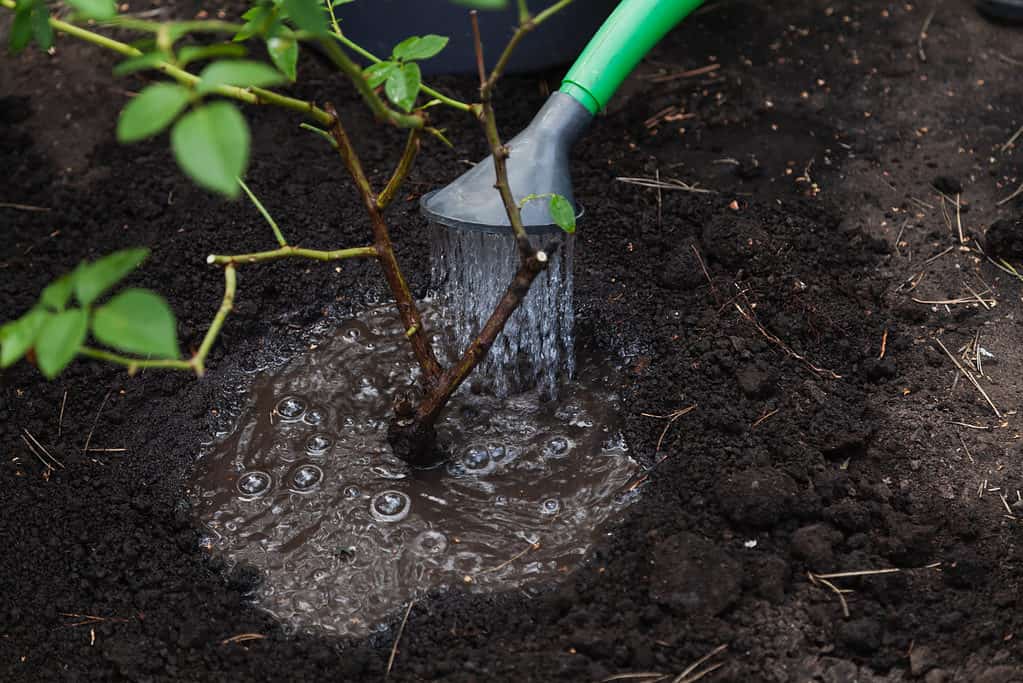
538	163
628	34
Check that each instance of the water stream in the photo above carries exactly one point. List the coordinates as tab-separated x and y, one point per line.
470	271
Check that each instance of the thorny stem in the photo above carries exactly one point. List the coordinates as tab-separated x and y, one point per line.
407	310
135	364
401	171
219	26
230	286
288	251
363	52
477	350
379	108
197	363
497	148
526	24
266	214
248	95
532	261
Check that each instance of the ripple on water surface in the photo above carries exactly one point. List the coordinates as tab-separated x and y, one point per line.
304	487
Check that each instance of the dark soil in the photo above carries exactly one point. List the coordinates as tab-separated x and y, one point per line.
825	133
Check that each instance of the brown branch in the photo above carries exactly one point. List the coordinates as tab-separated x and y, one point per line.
498	150
407	310
376	104
477	350
401	172
526	24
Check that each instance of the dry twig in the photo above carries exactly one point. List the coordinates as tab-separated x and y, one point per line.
670	184
751	317
670	417
397	639
969	376
95	421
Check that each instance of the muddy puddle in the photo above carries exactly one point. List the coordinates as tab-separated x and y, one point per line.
304	488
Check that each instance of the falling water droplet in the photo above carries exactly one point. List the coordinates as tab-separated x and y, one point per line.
390	506
254	483
306	477
290	408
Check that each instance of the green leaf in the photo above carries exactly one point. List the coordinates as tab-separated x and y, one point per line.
211	144
257	20
283	50
194	53
140	63
483	4
59	340
307	15
417	47
137	321
563	213
338	3
41	26
92	280
18	336
152	111
403	84
377	73
94	9
56	294
21	30
243	73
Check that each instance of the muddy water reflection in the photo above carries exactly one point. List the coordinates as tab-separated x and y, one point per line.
305	489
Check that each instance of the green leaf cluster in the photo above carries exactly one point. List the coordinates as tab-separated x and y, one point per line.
211	142
400	75
136	321
32	21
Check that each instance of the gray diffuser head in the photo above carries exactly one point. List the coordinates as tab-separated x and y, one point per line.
538	163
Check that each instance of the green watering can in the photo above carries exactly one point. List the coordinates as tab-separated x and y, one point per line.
538	161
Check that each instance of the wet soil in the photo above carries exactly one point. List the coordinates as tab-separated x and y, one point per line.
305	489
823	132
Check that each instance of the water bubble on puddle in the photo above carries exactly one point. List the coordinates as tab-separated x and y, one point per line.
497	451
254	484
556	447
318	444
290	408
430	543
352	492
390	506
314	416
551	506
477	460
306	478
